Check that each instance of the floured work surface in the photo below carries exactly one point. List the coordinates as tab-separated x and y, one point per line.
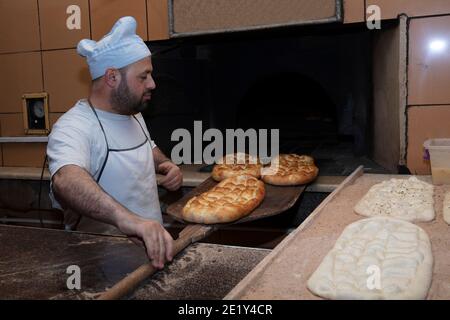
285	272
34	261
277	199
201	271
33	265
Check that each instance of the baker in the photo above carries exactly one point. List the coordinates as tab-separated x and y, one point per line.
102	160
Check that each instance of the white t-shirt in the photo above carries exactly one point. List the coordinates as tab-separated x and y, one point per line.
77	139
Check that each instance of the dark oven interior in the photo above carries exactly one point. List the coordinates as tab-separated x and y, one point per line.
313	84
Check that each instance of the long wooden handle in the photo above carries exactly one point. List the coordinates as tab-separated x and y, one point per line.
188	235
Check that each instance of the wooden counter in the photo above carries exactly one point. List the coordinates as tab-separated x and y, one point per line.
283	274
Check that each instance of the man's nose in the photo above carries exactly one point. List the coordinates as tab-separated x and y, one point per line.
151	85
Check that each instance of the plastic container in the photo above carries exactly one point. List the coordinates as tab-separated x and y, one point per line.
439	155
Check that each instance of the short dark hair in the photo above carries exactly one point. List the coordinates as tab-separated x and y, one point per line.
123	73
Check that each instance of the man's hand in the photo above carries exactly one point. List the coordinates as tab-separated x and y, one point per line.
157	241
173	178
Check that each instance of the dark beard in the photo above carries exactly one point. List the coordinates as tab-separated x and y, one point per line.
124	102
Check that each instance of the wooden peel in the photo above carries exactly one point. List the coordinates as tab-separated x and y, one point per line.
277	200
190	234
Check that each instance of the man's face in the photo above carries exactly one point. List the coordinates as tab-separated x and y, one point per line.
133	93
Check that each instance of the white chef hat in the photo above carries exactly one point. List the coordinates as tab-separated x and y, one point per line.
119	48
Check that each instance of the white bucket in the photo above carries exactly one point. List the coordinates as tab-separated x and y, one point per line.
439	152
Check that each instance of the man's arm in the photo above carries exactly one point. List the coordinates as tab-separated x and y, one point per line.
173	177
159	157
74	188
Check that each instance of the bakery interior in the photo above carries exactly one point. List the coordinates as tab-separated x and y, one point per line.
360	100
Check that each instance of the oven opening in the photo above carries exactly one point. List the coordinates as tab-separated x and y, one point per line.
315	85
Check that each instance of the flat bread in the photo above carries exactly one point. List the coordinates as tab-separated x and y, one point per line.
229	200
290	169
376	258
446	208
236	164
407	199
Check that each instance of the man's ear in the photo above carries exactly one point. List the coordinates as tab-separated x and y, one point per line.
112	77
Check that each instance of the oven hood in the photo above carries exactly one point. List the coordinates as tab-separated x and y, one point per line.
200	17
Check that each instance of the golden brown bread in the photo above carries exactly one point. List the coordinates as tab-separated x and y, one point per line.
230	200
236	164
290	169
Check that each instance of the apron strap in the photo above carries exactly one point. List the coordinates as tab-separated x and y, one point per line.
142	128
106	140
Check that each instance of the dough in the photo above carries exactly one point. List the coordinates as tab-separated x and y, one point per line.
446	209
290	169
230	200
236	164
399	250
406	199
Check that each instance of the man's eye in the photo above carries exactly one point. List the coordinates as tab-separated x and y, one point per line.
143	77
